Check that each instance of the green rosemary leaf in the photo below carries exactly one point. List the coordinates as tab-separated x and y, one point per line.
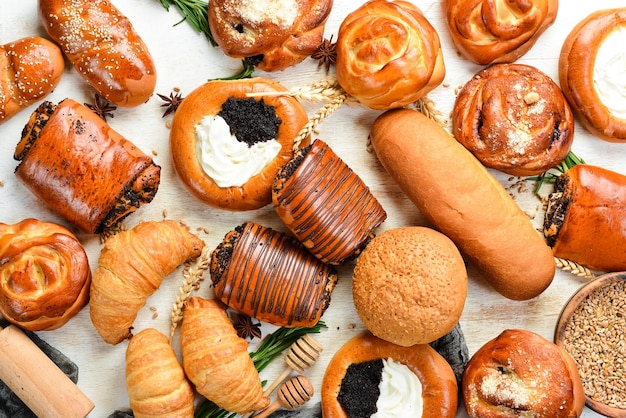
196	12
246	72
570	161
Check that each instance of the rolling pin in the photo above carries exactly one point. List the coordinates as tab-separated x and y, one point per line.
36	380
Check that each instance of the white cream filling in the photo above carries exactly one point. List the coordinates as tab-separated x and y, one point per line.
400	392
227	161
609	72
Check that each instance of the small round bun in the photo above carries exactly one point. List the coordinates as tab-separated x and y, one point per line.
589	64
388	54
439	388
514	118
274	35
409	285
207	100
520	373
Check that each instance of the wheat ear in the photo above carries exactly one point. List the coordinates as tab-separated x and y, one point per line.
192	277
326	90
573	268
319	116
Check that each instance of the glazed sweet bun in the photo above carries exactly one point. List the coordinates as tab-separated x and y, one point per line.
272	35
589	65
352	377
388	54
488	32
514	118
217	127
409	285
520	373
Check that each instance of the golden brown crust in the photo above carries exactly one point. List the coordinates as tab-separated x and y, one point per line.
380	40
208	100
439	389
576	72
44	275
281	33
409	285
459	196
515	119
520	372
488	32
103	47
155	380
83	169
30	68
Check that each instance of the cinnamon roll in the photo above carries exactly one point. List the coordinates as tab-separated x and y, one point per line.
44	274
488	32
388	54
514	118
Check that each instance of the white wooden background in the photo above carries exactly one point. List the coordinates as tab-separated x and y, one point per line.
185	59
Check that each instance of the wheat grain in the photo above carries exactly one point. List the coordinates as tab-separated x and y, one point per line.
573	268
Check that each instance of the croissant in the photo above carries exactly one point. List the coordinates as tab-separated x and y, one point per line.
131	267
216	359
30	68
103	47
155	380
44	275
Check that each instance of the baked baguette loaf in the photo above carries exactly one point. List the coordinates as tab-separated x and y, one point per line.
30	68
131	267
270	276
438	384
520	373
457	194
272	35
103	47
589	64
515	119
80	167
325	204
488	32
44	274
584	220
388	54
155	380
219	180
216	359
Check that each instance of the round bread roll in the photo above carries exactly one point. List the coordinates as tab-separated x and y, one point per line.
208	100
589	65
44	275
488	32
409	285
272	35
438	384
520	373
515	119
388	54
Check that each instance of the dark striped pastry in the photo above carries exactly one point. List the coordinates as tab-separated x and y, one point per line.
270	276
325	204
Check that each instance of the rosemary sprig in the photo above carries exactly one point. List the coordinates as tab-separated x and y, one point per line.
549	176
246	72
270	348
196	12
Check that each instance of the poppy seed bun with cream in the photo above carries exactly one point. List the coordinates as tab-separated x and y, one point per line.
409	285
227	147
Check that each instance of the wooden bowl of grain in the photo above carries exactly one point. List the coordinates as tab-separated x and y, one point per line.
592	329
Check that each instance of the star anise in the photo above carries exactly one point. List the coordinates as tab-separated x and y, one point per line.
326	53
172	102
246	328
101	107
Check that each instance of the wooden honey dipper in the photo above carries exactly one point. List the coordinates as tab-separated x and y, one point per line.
291	395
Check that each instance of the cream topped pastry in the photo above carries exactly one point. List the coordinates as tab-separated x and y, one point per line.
609	72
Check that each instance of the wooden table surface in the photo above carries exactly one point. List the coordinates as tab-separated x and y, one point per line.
184	59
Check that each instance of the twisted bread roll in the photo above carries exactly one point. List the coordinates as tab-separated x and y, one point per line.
131	267
155	380
491	31
30	68
515	119
388	54
216	359
44	275
273	35
103	47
